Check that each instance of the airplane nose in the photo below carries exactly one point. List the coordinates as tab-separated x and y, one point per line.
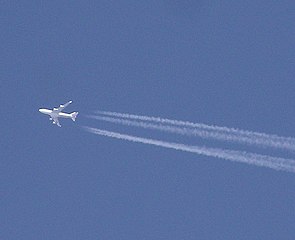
41	110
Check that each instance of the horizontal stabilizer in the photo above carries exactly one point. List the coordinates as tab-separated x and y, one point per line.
74	115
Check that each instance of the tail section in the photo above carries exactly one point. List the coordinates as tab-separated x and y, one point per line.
74	115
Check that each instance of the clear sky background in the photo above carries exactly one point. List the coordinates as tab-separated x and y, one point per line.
228	63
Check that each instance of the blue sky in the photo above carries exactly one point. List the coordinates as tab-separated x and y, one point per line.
228	63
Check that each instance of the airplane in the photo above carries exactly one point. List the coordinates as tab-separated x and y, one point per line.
55	113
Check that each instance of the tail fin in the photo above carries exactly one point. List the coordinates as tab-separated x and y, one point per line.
74	115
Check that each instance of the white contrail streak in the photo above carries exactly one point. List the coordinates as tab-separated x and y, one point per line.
236	156
165	128
213	132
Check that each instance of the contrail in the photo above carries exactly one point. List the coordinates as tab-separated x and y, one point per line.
165	128
236	156
178	130
210	131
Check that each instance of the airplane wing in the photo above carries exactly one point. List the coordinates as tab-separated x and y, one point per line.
55	121
61	107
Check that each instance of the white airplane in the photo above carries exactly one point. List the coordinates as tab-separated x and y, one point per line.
57	112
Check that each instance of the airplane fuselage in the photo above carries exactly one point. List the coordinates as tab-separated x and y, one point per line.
53	114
